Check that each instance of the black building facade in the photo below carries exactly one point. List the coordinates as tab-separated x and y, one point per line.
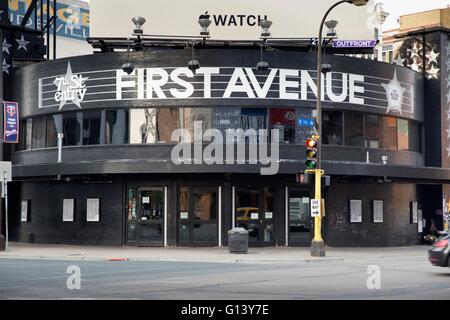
123	179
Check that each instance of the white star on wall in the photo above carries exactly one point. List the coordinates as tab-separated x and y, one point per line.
448	114
448	152
6	67
67	84
432	73
394	95
414	67
448	133
6	46
400	61
432	56
22	43
415	51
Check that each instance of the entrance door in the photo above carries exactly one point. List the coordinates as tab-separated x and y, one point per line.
254	212
150	217
197	216
300	222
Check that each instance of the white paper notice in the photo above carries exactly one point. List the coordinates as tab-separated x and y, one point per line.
93	210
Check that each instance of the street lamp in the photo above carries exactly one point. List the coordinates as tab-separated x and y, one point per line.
317	244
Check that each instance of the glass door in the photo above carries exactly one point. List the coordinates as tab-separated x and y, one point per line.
197	218
150	217
300	222
254	212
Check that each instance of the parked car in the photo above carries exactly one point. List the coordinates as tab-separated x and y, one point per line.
439	254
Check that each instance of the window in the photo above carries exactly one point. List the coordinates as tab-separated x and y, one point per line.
68	210
93	210
373	131
390	133
116	127
284	121
196	116
403	134
168	120
143	126
25	137
224	119
91	127
354	129
54	124
332	128
253	118
38	133
72	125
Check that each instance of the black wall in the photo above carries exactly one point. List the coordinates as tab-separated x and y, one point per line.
45	218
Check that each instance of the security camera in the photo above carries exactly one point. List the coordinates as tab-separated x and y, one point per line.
262	66
326	67
128	67
193	65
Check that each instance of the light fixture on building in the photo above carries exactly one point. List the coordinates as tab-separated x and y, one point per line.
358	3
138	23
193	64
204	23
384	159
331	25
262	65
128	67
265	25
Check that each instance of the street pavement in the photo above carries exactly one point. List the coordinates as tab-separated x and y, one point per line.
404	273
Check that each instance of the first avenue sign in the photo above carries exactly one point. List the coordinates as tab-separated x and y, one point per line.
222	83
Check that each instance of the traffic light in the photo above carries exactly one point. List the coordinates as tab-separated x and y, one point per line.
311	152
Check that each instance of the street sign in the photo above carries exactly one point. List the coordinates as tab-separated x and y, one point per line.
305	122
315	207
354	43
5	170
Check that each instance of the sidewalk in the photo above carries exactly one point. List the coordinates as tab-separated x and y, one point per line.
188	254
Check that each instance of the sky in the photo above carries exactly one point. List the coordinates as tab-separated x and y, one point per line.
397	8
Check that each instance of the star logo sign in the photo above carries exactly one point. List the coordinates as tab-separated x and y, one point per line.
394	95
22	43
70	88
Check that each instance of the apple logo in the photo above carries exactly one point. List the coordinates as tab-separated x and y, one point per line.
204	16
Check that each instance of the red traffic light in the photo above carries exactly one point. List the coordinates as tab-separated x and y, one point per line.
311	143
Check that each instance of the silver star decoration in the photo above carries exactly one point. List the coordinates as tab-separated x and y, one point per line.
400	61
448	98
414	67
448	133
432	73
448	152
68	84
432	56
448	114
22	43
6	46
6	67
394	95
415	50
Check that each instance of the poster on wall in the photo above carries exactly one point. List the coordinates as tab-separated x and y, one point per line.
10	122
93	210
414	213
24	211
355	211
377	211
68	210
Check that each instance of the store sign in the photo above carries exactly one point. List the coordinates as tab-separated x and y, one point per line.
76	89
354	43
11	122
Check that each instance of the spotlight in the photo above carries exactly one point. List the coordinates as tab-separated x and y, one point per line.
193	65
138	22
262	66
358	3
331	25
128	67
204	23
326	67
265	25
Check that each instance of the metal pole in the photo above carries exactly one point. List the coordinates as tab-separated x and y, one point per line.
5	185
1	126
317	244
60	141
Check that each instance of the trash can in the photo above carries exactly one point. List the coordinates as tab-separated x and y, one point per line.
238	240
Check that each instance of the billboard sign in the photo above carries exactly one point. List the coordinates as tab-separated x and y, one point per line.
72	17
232	19
11	122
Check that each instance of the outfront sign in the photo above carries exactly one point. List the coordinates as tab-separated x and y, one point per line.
165	83
11	122
354	43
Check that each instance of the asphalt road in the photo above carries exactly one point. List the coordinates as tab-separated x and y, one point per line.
405	278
